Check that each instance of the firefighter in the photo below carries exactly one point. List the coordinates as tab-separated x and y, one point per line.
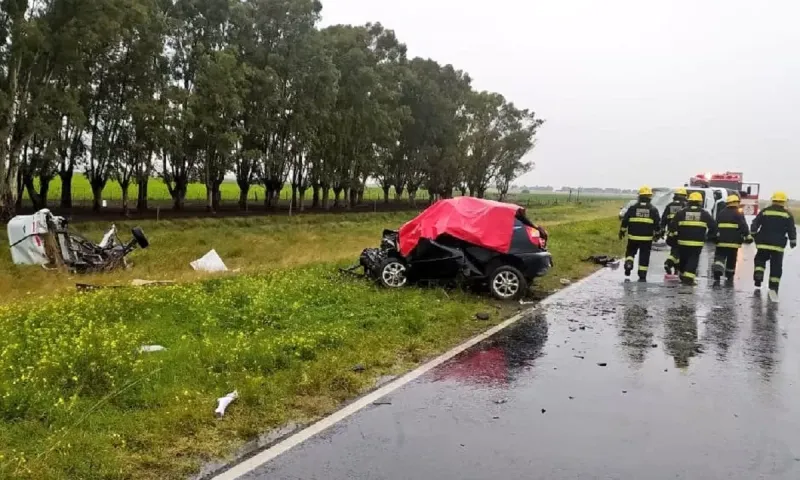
732	231
688	230
771	228
678	203
640	223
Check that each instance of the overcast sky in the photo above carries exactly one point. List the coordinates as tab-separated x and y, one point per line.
632	91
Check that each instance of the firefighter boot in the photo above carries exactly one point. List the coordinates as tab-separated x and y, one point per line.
719	270
628	267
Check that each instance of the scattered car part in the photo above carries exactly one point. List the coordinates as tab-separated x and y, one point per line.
466	240
45	239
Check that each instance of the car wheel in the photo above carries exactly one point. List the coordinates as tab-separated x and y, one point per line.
392	273
507	283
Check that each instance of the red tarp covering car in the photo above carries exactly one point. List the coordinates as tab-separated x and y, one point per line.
484	223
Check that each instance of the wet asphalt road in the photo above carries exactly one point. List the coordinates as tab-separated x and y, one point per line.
699	383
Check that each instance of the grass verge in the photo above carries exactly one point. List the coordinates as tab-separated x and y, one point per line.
78	400
253	245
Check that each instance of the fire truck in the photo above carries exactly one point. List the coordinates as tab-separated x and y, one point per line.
733	182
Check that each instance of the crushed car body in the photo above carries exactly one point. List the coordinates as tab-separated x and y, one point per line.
44	239
463	239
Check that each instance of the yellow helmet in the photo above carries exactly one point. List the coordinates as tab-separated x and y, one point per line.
680	191
695	197
780	197
732	199
645	191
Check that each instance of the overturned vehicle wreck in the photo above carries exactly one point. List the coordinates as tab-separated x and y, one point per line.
44	239
464	240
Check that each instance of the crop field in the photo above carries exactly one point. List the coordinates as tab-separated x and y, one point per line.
158	194
79	400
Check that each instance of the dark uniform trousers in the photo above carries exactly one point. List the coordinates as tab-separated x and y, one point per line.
643	248
725	259
775	259
689	261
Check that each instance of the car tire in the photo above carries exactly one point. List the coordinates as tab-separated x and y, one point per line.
392	273
507	283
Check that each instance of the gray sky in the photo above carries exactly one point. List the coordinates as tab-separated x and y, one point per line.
633	91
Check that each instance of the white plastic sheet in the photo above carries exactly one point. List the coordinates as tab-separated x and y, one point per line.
210	262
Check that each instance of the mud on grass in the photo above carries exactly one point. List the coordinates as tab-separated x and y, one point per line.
77	400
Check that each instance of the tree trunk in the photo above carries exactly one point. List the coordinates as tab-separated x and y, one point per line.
97	196
209	198
360	196
125	186
294	197
216	196
66	189
386	189
27	181
398	191
336	192
44	189
301	198
315	196
326	194
179	193
412	197
244	191
141	196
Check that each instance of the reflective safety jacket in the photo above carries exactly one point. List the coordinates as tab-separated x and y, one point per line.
672	209
691	226
733	229
641	222
772	227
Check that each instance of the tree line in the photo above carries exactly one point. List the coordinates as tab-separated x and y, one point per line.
194	90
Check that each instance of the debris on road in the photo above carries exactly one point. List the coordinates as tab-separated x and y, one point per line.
210	262
482	316
383	401
566	281
603	260
601	364
501	401
152	348
223	402
358	368
543	410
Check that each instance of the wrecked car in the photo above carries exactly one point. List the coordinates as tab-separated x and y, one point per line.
467	240
45	239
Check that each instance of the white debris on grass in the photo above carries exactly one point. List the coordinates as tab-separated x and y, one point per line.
210	262
152	348
223	402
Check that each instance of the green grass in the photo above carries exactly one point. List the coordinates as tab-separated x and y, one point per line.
252	244
77	400
159	194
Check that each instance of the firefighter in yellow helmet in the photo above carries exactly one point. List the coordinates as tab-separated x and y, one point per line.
677	204
641	223
732	231
689	230
771	228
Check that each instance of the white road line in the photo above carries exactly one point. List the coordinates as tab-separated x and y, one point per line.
283	446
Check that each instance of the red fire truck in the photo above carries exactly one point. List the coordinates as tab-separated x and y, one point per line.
731	181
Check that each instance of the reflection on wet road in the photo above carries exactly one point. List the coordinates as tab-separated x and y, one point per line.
613	381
